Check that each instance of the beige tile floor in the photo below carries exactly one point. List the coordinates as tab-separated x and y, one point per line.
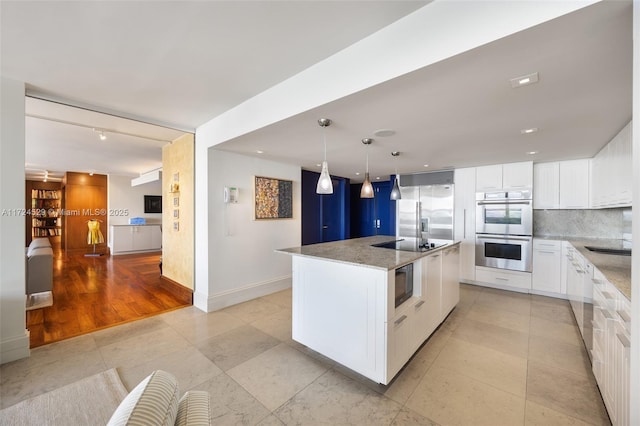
500	358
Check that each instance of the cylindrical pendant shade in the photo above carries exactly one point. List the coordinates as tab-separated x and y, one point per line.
395	191
367	188
324	182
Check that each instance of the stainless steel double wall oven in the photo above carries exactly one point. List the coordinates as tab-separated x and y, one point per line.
504	228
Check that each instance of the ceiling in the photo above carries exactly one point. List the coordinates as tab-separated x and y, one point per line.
195	60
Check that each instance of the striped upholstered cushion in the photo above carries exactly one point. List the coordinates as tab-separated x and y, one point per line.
193	409
153	402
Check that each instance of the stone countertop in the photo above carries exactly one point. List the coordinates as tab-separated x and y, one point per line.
615	268
358	251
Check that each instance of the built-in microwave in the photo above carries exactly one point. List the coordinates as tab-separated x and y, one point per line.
404	284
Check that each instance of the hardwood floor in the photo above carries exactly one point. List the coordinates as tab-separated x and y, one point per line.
90	293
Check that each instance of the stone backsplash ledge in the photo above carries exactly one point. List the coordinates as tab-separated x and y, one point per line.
600	223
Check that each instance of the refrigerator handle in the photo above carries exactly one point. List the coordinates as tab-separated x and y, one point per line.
418	233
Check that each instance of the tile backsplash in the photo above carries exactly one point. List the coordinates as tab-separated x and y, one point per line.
600	223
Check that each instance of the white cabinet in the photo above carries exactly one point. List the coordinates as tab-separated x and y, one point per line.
561	185
611	347
465	220
612	173
546	185
547	266
135	238
401	338
489	178
517	175
504	278
574	184
432	293
450	280
504	176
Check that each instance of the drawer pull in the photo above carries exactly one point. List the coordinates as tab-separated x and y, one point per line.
502	279
547	252
399	320
420	303
623	339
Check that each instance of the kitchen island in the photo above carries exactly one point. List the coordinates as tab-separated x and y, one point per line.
344	301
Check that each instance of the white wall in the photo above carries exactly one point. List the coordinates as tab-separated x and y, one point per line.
123	196
243	264
14	338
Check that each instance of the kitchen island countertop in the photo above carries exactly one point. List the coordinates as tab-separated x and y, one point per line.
615	268
358	251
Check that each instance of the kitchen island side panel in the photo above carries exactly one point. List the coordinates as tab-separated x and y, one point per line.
339	310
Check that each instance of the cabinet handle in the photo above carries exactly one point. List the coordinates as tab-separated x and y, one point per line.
464	224
623	339
502	279
420	303
435	256
399	320
547	252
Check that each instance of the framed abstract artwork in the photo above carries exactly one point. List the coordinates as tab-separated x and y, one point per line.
273	198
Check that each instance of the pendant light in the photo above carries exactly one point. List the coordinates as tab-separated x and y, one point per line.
367	188
324	182
395	191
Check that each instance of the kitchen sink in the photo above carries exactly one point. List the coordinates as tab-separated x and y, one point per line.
605	250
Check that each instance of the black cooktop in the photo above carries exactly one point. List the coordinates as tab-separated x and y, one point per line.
408	245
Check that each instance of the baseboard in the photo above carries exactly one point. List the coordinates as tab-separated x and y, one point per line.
233	297
178	290
16	348
516	289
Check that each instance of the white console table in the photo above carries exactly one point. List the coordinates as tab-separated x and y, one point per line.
135	238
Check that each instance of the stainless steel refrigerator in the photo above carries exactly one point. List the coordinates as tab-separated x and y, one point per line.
425	213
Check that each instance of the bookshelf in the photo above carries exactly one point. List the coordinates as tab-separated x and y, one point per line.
43	211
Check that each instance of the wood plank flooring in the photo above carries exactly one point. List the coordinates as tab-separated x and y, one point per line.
90	293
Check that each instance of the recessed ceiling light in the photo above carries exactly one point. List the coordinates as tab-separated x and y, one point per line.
357	173
528	131
260	151
319	165
378	177
532	152
426	165
383	133
524	80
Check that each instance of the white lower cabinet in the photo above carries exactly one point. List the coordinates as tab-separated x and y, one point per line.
134	238
503	278
347	312
611	343
450	280
547	266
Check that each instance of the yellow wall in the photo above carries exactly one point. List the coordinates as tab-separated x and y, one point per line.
178	244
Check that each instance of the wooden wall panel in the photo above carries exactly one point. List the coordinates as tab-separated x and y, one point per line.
85	197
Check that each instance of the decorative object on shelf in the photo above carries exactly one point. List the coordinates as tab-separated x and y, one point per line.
324	182
395	191
367	188
94	236
273	198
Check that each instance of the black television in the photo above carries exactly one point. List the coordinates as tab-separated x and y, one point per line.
153	203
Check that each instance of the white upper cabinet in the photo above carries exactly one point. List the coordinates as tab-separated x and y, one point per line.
504	176
489	178
517	175
611	173
561	185
546	185
574	184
